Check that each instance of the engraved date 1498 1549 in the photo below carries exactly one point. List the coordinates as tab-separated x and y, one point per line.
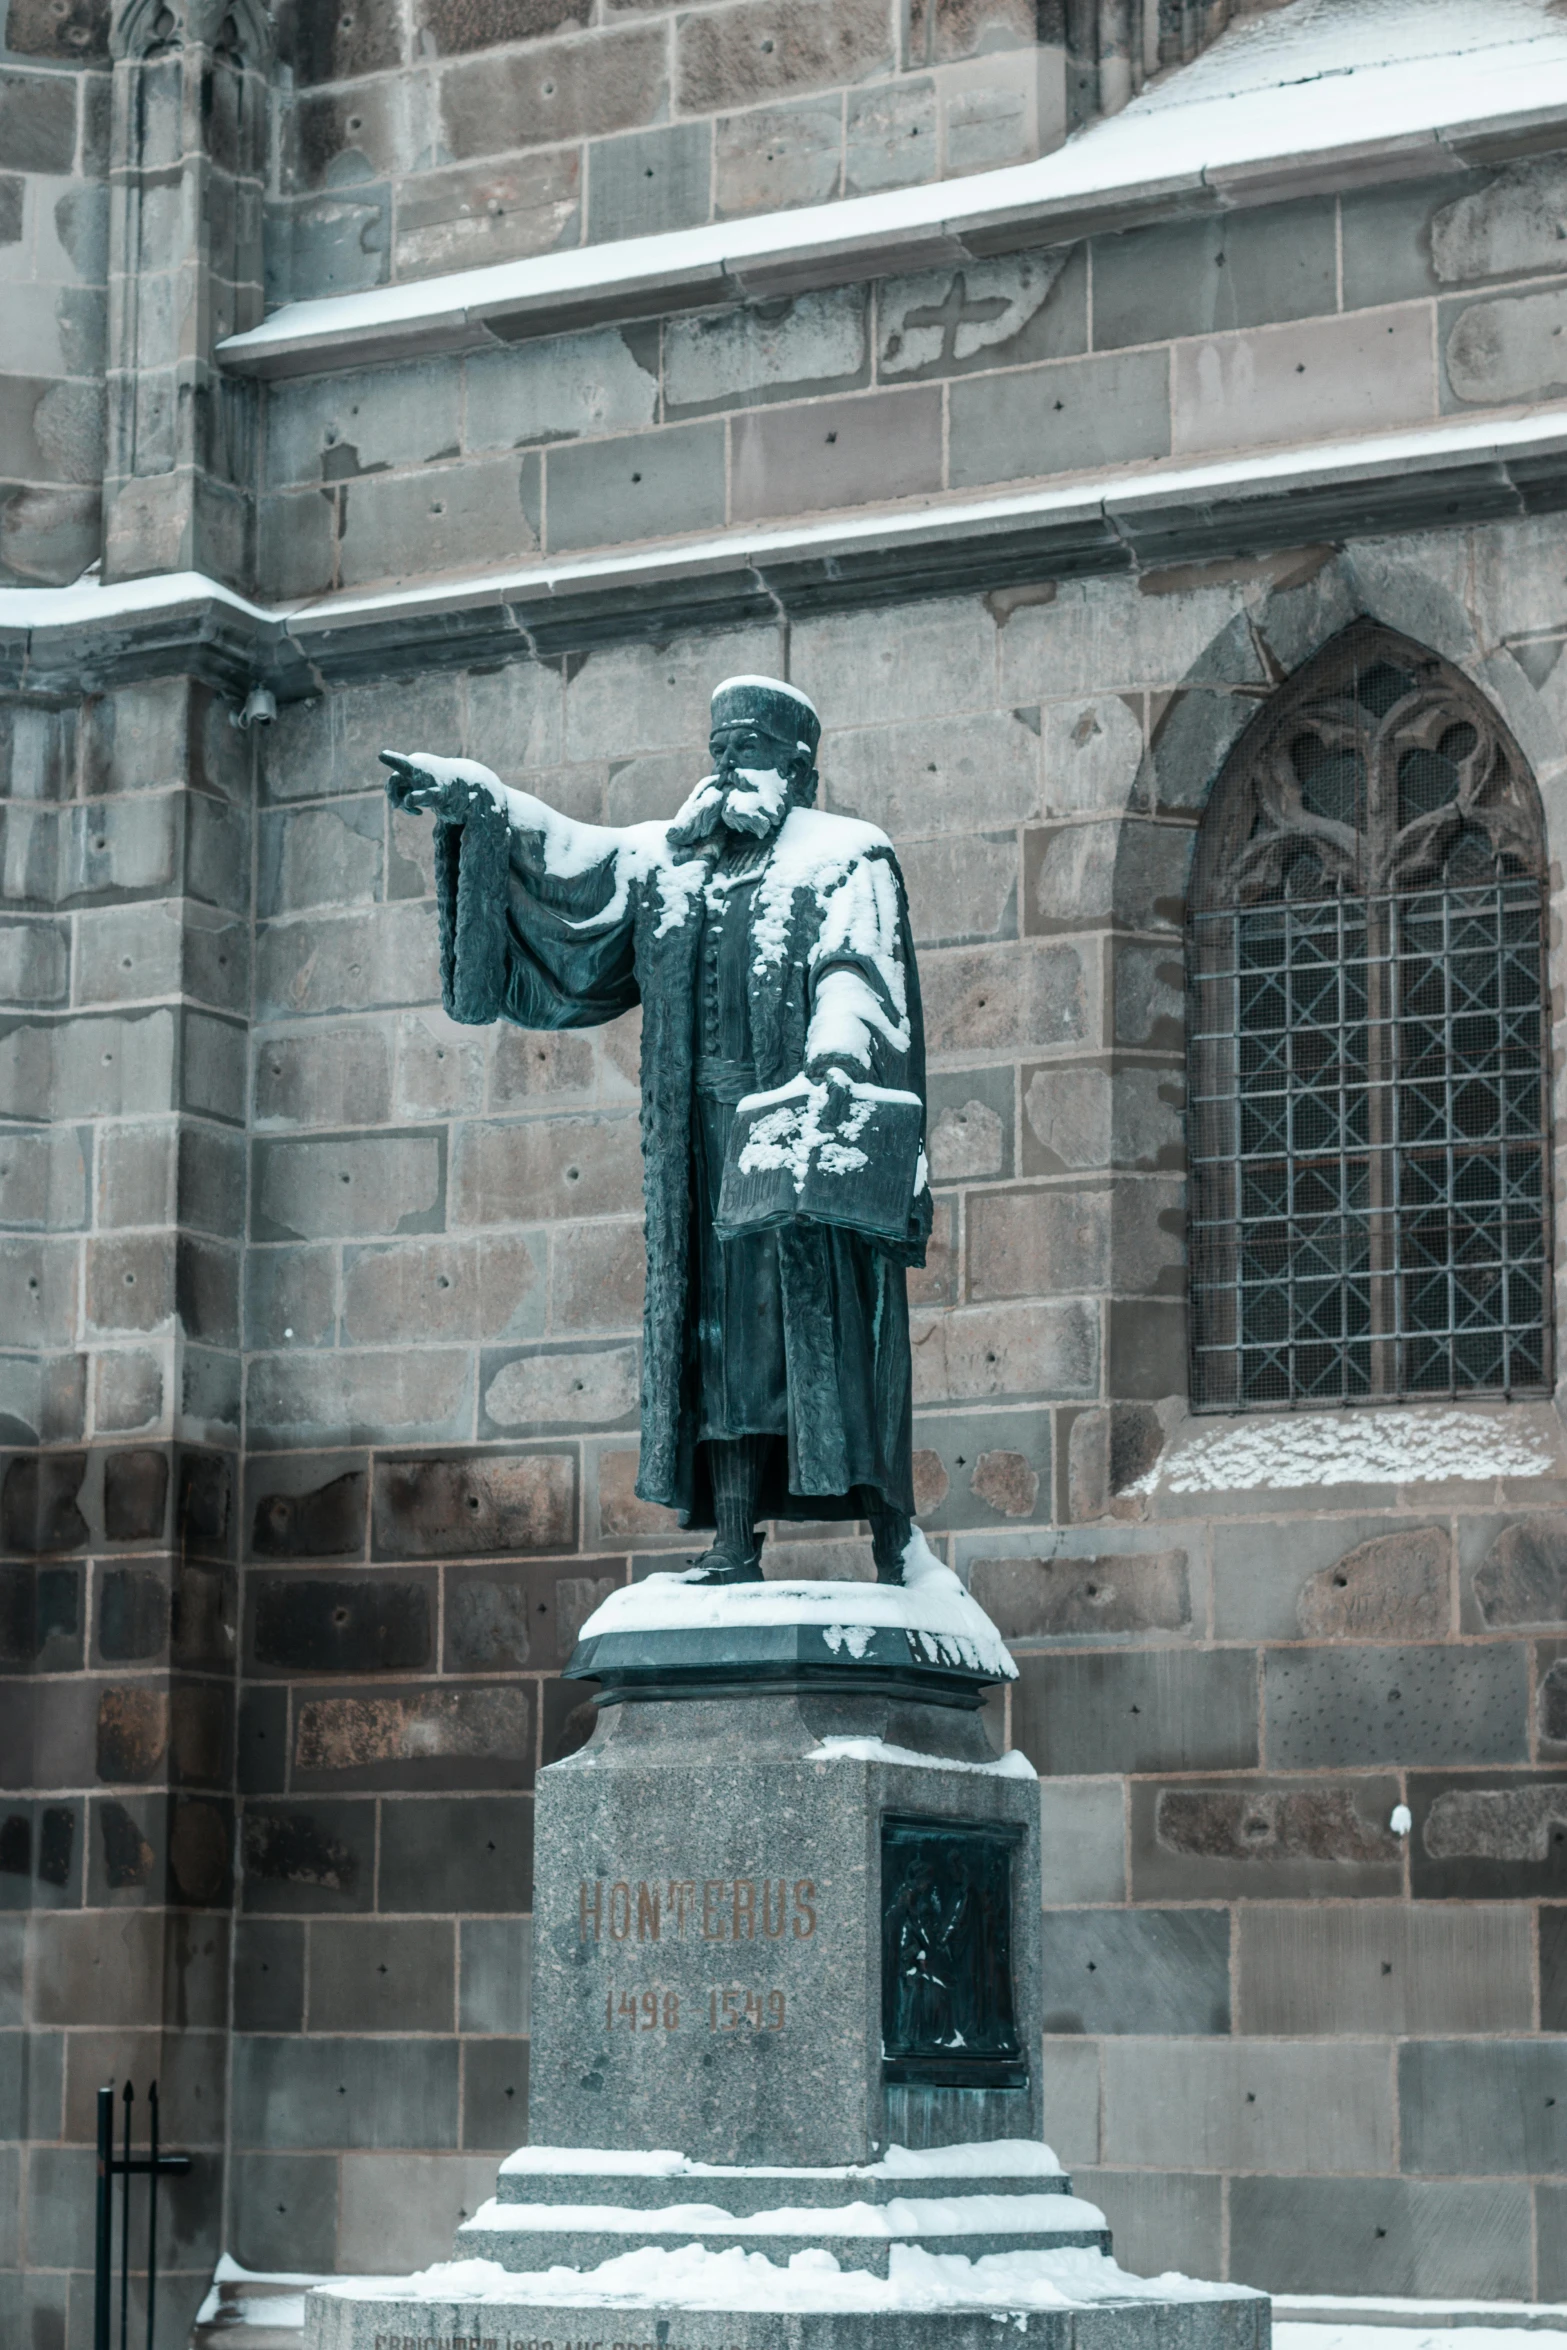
728	2010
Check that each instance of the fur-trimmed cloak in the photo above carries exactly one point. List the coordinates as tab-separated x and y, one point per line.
553	924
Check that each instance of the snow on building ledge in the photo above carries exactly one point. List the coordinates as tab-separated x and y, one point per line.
1307	102
88	637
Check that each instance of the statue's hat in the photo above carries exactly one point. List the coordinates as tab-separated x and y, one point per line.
782	709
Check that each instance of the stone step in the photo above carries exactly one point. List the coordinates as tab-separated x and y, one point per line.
367	2317
584	2241
558	2174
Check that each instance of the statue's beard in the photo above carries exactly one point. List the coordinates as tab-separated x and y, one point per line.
754	802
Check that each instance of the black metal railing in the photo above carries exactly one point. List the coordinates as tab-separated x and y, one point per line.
125	2166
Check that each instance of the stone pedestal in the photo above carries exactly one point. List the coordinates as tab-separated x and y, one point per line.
786	2020
708	1929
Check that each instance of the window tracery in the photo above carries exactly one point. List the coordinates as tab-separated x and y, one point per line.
1368	1122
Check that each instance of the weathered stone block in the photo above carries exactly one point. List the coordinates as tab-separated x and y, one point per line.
41	1618
1031	1243
1163	1971
334	427
1379	2236
772	157
1273	1839
285	2208
530	1069
296	2091
1384	1967
620	1512
1396	1585
970	1118
1082	1840
1504	349
329	745
1201	277
485	510
421	1395
548	1391
39	1503
1137	1710
1488	1836
492	211
440	1067
986	999
597	1276
1483	2107
855	452
1051	1598
1327	1707
553	91
1282	1580
814	343
1370	369
307	1624
1015	1352
495	2091
561	388
889	137
268	1977
324	1076
1063	418
494	1976
962	891
382	1975
384	955
1248	2105
298	1513
38	1292
940	776
728	56
351	1185
424	2197
447	1289
454	1507
640	486
309	1855
452	1854
135	1495
650	181
975	1469
554	1167
1523	1577
290	1297
333	855
1150	997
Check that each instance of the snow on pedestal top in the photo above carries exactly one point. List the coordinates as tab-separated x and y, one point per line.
931	1605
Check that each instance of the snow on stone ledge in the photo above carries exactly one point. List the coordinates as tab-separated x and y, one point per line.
694	2278
989	2158
1400	1445
946	1626
903	2216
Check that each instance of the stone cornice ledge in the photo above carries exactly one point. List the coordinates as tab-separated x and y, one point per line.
65	641
1079	190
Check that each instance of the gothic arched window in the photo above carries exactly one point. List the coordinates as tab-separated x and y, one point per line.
1368	1128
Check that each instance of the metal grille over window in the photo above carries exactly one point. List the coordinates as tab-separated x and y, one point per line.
1369	1111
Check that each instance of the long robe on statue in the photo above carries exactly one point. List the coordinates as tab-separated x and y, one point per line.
798	1330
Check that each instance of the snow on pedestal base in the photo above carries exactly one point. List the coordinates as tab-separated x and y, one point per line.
752	2266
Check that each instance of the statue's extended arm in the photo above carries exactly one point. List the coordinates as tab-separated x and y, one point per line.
535	926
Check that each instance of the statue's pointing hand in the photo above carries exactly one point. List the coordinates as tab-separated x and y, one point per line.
451	798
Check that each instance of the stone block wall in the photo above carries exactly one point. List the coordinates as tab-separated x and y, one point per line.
124	997
445	134
54	260
1259	329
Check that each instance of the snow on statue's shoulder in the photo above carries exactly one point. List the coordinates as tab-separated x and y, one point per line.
930	1604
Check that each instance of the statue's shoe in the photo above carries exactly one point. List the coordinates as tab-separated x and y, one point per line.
726	1566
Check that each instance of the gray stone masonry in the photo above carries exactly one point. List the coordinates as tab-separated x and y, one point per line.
1183	340
454	133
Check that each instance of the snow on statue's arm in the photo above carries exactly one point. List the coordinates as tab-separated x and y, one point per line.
859	1023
